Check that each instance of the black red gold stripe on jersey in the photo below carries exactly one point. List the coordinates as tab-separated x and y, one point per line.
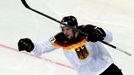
68	46
79	47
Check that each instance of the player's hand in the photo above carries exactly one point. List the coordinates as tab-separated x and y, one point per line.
97	34
25	44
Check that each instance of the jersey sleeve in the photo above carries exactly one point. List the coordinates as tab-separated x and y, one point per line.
109	36
44	47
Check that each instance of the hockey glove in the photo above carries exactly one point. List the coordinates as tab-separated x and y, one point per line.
96	34
25	44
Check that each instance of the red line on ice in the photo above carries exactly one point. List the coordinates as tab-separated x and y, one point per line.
46	59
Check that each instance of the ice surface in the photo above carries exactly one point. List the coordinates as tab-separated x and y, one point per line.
17	22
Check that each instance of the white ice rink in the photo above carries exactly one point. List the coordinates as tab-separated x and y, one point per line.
18	22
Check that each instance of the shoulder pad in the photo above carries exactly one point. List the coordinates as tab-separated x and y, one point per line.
60	37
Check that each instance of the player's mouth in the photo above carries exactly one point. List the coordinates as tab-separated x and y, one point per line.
68	36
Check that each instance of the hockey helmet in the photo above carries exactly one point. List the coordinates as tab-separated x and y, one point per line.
69	20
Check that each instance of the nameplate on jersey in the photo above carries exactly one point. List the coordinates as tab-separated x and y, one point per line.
52	39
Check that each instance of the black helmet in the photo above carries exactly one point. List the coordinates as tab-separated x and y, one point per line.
69	20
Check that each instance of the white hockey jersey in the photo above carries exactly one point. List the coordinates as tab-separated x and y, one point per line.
88	58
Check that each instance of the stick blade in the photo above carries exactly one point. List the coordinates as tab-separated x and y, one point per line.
25	4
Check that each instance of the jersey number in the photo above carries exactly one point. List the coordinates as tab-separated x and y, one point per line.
82	52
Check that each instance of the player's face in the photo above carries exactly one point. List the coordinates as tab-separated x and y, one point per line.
68	32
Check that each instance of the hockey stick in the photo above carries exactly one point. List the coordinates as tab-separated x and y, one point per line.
28	7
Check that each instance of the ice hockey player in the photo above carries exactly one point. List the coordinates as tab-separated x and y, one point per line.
87	55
